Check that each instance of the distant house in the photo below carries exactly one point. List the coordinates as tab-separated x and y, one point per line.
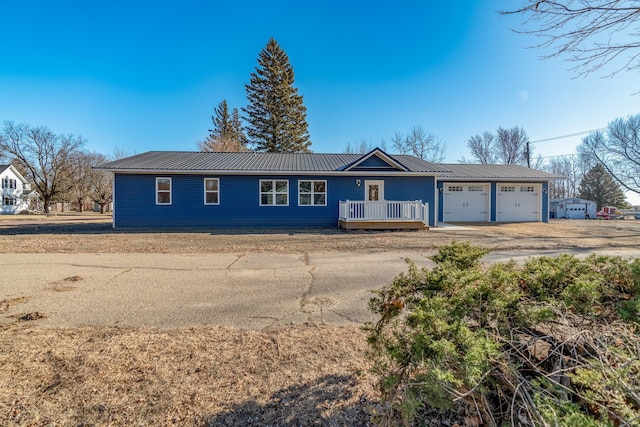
15	191
573	208
374	190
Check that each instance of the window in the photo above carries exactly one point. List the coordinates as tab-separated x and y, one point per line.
528	189
211	191
9	183
9	201
312	193
274	193
455	188
163	191
507	189
476	188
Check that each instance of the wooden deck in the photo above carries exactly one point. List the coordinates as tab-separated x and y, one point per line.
383	215
382	225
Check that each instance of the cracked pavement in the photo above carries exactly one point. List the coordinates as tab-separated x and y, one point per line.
249	290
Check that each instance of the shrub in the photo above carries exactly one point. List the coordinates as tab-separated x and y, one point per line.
552	341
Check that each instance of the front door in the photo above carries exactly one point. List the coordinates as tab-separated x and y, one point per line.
374	191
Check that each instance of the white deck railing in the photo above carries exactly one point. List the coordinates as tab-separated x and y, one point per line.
354	210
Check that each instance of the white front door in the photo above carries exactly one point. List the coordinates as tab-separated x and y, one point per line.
374	191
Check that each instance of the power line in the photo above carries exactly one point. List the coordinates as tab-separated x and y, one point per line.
567	136
557	155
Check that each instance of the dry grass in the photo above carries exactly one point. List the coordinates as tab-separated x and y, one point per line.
306	375
70	235
311	375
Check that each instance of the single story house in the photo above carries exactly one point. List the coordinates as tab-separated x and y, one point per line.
375	190
15	191
573	208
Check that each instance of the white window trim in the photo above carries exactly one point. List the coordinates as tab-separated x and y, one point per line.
313	193
164	191
204	182
273	191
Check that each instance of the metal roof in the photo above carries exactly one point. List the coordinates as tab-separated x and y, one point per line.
252	162
296	163
495	173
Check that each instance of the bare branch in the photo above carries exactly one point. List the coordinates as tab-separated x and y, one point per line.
591	34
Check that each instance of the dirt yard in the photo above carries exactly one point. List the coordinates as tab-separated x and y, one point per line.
92	233
209	376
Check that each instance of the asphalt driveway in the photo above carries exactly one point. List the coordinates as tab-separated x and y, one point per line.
249	291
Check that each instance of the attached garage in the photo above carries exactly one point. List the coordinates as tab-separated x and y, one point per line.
493	193
464	202
518	202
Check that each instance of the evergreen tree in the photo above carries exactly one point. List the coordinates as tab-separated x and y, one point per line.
227	133
598	185
237	130
275	114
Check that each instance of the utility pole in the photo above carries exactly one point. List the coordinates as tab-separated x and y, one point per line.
528	157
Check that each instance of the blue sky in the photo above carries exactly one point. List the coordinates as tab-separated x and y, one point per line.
141	76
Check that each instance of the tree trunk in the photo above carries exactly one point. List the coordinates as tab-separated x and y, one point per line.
46	201
103	207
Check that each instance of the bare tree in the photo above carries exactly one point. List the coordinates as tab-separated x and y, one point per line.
2	141
349	149
44	157
102	182
618	149
572	168
592	33
426	146
363	147
222	144
420	144
508	146
511	146
81	177
398	143
481	147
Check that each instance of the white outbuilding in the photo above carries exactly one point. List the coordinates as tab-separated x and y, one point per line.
573	208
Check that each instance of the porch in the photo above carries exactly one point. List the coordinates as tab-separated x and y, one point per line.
383	215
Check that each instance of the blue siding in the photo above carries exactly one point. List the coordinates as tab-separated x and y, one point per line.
494	202
545	202
374	163
440	201
135	205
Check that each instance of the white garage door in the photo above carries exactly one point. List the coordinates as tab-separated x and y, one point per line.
466	202
518	202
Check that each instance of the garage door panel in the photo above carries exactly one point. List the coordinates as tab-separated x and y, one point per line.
518	202
466	202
